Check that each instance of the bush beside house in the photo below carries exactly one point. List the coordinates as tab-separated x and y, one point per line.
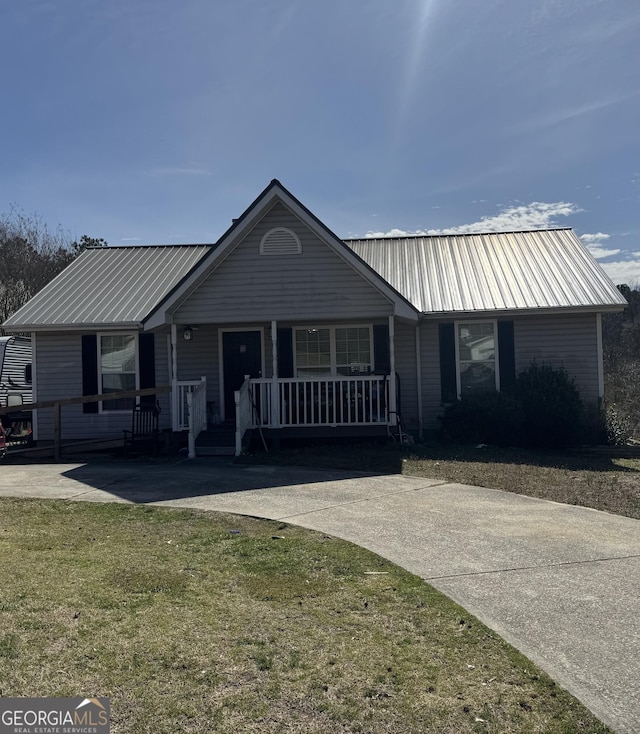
543	410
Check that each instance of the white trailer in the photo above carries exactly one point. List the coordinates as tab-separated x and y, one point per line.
15	371
15	387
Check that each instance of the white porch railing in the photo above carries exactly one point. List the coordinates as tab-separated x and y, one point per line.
180	408
244	412
287	402
189	409
196	413
331	401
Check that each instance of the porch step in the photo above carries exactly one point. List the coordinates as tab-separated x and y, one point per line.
217	441
215	450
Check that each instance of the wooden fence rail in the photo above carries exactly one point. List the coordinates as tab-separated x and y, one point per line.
57	406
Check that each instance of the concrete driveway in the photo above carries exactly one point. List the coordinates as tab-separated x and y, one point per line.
561	583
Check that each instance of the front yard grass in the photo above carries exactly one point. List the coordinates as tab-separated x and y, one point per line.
196	622
582	478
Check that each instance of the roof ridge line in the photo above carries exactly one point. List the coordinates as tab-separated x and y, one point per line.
409	236
133	247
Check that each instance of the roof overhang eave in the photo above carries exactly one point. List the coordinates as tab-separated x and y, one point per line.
41	328
506	312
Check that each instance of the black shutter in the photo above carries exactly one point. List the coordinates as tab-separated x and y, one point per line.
448	379
89	370
285	353
506	356
381	356
147	364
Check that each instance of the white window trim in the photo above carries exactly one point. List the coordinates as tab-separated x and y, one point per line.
134	334
332	345
496	350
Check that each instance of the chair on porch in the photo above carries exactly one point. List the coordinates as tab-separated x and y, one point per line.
145	432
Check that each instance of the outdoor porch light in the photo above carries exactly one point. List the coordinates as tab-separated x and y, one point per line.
187	334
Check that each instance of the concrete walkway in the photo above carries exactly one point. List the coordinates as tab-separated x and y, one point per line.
561	583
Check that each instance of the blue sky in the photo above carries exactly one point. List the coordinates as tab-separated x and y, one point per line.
158	121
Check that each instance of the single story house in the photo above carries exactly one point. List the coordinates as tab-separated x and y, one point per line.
283	325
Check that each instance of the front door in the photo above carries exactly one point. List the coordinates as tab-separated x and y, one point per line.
241	355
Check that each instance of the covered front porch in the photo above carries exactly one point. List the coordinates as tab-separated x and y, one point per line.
285	405
248	392
287	408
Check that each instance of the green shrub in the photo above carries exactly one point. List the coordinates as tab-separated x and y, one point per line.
492	418
552	410
543	411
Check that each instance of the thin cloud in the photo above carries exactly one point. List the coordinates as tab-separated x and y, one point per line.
620	271
601	252
595	238
537	215
594	245
558	117
624	271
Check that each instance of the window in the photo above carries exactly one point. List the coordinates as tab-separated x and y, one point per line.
353	351
476	354
313	352
117	369
331	351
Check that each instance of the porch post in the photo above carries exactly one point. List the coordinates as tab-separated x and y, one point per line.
393	415
275	402
174	377
419	382
192	435
600	355
34	384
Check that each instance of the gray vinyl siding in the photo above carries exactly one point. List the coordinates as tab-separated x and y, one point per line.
200	358
315	284
58	363
163	375
562	340
430	364
405	357
568	341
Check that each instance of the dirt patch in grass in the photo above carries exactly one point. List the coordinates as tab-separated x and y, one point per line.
194	622
584	478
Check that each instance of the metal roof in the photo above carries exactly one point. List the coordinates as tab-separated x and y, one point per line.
494	271
109	286
542	269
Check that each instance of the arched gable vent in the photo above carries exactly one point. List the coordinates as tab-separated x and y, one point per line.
280	241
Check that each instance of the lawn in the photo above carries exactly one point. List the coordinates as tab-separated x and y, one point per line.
582	478
196	622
